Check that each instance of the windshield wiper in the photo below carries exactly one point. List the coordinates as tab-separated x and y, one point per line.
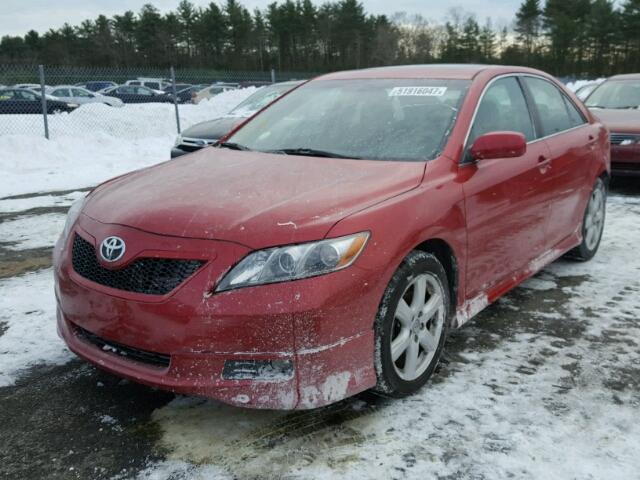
626	107
233	146
312	152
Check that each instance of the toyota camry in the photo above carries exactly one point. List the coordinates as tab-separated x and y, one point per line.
330	244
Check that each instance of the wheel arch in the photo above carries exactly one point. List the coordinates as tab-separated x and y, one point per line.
446	256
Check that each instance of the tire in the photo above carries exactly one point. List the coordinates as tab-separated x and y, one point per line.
397	378
592	224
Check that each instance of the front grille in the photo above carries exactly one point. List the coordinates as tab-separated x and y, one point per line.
152	276
618	138
629	167
190	148
142	356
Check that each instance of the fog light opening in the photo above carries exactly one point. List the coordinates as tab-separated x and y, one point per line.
265	370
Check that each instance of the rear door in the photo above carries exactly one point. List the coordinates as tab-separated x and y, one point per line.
126	93
506	199
572	143
27	101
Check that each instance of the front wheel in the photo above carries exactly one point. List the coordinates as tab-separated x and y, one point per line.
592	224
411	325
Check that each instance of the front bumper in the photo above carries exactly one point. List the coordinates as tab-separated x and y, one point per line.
322	326
625	160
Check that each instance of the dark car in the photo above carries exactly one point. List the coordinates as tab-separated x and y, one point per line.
183	91
137	94
22	100
97	85
207	133
617	103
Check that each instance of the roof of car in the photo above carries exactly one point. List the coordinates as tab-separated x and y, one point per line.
626	76
436	71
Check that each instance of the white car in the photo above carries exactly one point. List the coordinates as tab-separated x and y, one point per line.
79	95
156	84
30	86
212	90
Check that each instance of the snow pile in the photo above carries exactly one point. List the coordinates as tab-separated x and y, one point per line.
95	142
574	86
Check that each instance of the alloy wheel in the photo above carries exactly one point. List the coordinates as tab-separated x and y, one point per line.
417	326
594	219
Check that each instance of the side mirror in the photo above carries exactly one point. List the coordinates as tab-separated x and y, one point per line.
499	145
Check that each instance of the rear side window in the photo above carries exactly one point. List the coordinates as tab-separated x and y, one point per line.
551	105
503	108
24	95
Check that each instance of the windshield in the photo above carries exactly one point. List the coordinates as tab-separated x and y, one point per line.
260	99
379	119
616	94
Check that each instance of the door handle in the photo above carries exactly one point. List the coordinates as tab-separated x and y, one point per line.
542	160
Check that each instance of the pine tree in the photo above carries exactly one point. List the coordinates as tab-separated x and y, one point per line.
528	23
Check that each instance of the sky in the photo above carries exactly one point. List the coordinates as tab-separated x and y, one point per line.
19	16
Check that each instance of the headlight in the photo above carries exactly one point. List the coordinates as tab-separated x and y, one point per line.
72	216
294	262
178	141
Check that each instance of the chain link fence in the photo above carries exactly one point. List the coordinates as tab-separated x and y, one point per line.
54	101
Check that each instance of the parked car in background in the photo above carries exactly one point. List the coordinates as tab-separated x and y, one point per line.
583	92
330	243
96	85
207	133
184	91
79	95
212	91
137	94
30	86
156	84
617	103
22	100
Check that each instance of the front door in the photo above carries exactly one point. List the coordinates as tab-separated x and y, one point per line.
506	199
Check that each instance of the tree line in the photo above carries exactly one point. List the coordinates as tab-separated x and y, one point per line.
564	37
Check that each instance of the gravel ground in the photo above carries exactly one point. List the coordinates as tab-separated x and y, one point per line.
543	384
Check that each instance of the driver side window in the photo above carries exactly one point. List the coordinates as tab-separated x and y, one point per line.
502	108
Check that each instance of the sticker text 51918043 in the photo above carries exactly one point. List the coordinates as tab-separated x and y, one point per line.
417	91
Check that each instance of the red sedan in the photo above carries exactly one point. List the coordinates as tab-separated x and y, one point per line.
617	103
329	244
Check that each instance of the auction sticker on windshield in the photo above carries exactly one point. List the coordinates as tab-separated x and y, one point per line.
417	91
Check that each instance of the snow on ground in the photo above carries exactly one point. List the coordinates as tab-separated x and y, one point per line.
26	232
20	204
95	142
28	320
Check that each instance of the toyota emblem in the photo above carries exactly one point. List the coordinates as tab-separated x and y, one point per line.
112	249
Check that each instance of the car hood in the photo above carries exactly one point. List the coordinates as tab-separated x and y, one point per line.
619	121
255	199
212	129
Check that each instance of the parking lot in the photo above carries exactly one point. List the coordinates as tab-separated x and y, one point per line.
543	384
